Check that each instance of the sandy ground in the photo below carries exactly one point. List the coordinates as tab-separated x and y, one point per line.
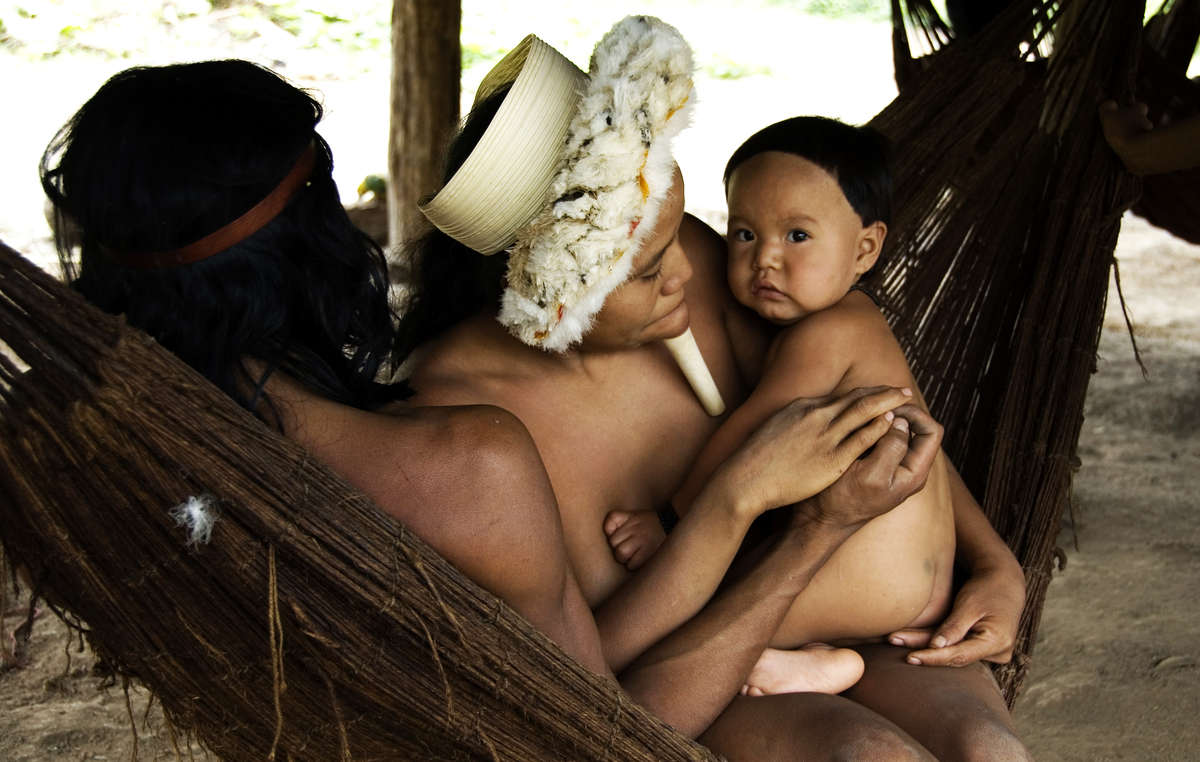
1115	671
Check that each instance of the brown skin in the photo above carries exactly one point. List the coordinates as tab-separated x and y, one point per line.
477	464
630	446
795	248
1146	149
497	517
497	521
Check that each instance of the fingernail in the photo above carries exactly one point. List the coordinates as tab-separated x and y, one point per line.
889	415
938	642
896	641
906	392
900	424
914	660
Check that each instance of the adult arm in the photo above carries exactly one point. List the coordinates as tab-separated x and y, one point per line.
827	437
708	657
469	481
983	621
828	353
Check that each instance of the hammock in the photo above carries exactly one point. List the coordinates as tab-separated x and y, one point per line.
310	625
313	626
1009	204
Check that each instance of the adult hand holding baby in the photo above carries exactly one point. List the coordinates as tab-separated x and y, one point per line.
811	443
981	627
894	470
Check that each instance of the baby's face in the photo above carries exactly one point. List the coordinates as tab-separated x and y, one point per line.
796	246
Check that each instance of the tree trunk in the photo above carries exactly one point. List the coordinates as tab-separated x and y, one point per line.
426	74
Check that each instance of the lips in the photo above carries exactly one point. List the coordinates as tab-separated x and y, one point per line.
764	290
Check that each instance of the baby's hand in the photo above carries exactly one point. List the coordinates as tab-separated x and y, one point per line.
633	536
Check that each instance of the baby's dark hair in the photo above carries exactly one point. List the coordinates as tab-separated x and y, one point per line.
857	157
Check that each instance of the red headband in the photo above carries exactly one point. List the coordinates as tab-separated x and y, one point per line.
234	232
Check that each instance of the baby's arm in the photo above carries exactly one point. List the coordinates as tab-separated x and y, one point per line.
800	364
811	358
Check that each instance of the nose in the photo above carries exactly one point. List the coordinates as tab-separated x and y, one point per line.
767	256
678	268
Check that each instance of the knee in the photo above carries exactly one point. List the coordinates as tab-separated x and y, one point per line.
881	745
872	740
984	739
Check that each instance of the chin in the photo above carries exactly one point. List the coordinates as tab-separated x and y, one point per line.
672	324
778	314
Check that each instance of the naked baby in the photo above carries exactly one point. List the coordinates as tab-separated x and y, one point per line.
809	205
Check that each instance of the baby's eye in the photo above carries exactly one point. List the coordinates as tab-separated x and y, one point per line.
741	234
652	276
796	236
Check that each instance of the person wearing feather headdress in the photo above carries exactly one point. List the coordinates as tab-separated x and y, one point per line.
563	282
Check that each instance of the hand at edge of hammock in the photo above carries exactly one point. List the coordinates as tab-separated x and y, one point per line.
982	624
1145	148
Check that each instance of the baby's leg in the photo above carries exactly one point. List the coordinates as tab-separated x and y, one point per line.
633	536
892	573
814	668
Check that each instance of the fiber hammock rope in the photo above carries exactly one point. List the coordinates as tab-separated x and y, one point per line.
996	272
356	640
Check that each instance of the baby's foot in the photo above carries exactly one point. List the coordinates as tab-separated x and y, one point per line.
633	536
815	668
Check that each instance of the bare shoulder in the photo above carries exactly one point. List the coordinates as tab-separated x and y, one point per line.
474	362
842	347
854	317
406	458
707	290
705	247
463	458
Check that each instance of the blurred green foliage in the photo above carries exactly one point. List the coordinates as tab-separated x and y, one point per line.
719	67
873	10
117	28
473	55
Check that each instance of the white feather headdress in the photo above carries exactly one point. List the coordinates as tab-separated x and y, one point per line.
571	173
615	171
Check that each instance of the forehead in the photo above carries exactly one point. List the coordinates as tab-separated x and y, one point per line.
776	177
670	212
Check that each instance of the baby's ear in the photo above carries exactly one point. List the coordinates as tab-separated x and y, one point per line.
870	244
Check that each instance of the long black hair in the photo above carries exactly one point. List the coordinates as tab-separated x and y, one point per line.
160	157
450	281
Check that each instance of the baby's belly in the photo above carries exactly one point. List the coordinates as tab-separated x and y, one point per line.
895	572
